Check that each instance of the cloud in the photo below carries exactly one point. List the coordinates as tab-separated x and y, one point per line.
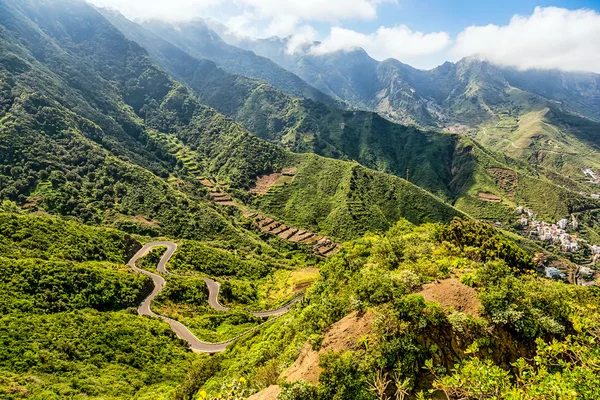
316	10
260	17
265	18
398	42
304	35
149	9
550	38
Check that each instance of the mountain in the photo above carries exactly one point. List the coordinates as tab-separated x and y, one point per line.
452	166
93	129
472	96
357	78
137	231
201	42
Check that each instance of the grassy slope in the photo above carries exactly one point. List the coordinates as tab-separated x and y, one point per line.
344	199
64	289
541	138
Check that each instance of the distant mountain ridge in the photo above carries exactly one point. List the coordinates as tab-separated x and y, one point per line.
91	128
333	74
203	42
545	117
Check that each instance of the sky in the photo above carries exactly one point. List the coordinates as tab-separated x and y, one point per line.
423	33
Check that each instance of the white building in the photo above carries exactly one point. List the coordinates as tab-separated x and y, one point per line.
520	210
573	247
524	221
562	224
586	272
596	249
546	236
574	222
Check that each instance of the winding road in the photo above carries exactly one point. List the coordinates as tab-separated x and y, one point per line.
181	330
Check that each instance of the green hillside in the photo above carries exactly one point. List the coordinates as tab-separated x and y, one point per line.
367	317
548	137
103	152
342	199
198	40
448	165
496	104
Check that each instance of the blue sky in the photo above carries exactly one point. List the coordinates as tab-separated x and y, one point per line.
453	16
424	33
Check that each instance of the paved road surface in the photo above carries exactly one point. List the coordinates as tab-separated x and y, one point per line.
213	301
213	293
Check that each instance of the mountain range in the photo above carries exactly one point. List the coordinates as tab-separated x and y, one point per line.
443	163
553	115
333	190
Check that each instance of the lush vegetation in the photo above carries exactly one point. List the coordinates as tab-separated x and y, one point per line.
535	115
43	237
87	353
37	286
451	166
345	199
199	257
69	326
91	130
97	145
413	345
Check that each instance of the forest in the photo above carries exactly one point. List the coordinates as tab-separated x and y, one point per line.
106	147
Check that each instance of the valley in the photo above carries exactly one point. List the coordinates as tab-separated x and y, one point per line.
213	300
189	215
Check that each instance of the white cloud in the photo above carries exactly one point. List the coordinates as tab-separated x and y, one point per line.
316	10
304	35
264	18
549	38
149	9
398	42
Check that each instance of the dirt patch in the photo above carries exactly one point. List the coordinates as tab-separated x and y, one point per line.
288	234
264	183
225	203
280	229
33	202
492	198
269	393
306	367
506	180
145	221
206	182
452	293
303	278
301	287
343	335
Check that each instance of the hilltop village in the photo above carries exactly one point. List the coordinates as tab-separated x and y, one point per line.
563	236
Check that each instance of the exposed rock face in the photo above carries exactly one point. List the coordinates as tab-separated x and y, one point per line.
343	335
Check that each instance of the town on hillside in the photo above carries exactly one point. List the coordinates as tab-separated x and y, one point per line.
562	236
